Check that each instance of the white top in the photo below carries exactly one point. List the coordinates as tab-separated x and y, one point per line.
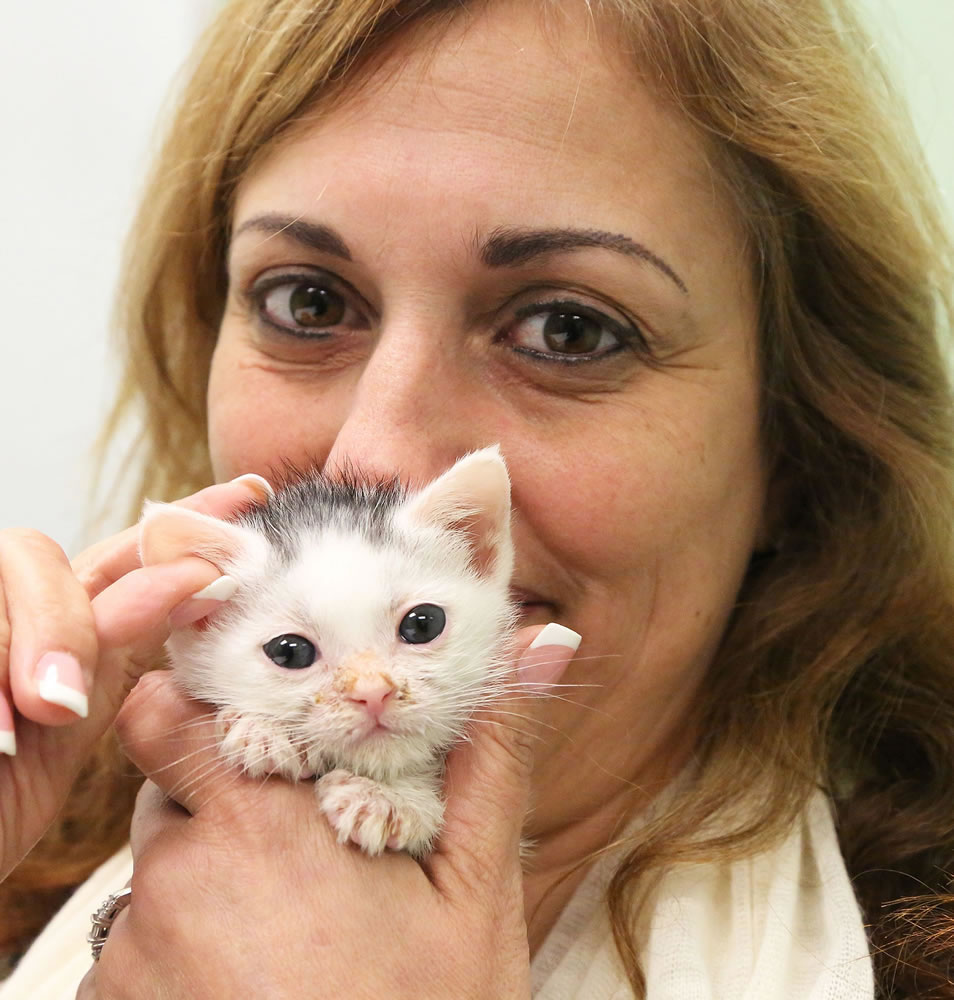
783	925
58	960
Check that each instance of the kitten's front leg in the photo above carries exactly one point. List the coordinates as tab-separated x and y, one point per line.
403	814
260	747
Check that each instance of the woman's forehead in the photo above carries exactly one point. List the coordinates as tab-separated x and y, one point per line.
513	117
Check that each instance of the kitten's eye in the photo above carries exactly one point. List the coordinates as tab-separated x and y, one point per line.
422	624
293	652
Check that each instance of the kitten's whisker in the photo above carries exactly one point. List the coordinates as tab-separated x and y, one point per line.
512	662
537	696
548	685
209	739
512	729
199	775
531	687
584	752
237	775
174	732
223	764
163	738
518	715
199	720
214	761
200	751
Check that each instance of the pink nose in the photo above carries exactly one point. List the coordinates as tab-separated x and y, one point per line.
372	692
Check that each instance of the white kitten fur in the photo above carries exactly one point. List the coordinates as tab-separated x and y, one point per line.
346	589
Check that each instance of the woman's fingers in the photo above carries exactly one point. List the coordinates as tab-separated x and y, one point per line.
132	604
101	565
49	630
488	777
131	623
172	740
133	613
71	649
68	658
154	815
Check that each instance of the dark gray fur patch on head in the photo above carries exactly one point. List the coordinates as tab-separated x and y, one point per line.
308	503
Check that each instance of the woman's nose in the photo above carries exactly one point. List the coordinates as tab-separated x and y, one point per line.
413	411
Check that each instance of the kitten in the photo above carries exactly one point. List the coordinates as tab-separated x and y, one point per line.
369	624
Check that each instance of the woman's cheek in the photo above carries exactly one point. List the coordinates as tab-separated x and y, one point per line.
259	415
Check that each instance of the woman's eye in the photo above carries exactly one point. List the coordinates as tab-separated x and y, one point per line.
568	332
306	306
313	305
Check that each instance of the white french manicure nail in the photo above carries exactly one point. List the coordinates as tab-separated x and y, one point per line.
8	744
59	681
557	635
253	479
218	590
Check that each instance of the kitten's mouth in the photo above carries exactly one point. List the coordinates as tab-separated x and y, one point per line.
371	729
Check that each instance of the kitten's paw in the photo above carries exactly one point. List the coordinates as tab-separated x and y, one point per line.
357	810
372	815
259	748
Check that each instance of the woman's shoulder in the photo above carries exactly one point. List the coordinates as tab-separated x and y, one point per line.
780	924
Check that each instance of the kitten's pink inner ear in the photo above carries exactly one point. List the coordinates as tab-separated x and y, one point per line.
484	542
167	532
472	497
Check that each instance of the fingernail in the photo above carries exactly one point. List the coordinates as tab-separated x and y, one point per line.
218	590
548	656
8	738
203	602
258	483
59	681
557	635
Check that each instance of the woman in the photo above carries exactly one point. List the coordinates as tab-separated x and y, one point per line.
674	258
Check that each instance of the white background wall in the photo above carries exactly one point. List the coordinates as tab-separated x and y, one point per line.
81	87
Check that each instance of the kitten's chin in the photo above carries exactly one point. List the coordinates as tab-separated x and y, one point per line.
384	754
377	734
371	731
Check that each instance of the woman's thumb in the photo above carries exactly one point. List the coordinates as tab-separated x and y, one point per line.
488	777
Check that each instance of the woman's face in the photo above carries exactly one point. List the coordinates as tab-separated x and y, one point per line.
505	238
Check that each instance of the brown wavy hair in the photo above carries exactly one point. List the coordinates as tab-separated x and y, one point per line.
838	665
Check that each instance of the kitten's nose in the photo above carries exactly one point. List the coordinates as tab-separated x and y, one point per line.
371	691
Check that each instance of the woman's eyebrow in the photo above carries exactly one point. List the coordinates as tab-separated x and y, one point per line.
503	248
310	234
515	247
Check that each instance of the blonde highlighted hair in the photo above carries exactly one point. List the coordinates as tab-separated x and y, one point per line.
838	665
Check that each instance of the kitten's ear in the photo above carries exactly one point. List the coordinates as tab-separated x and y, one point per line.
168	532
472	497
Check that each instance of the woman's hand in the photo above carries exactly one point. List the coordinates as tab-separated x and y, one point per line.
73	641
240	888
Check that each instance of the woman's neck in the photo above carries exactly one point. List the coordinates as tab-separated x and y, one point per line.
563	854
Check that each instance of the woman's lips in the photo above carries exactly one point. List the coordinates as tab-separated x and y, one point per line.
531	602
